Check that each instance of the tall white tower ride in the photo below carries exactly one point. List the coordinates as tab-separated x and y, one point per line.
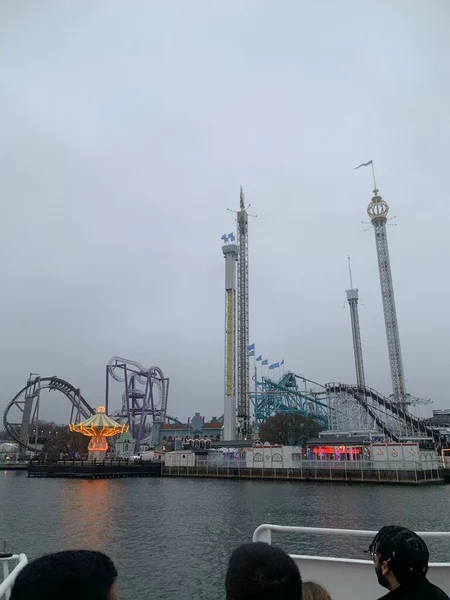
230	252
352	297
243	404
378	210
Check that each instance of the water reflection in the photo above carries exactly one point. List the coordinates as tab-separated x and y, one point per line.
171	538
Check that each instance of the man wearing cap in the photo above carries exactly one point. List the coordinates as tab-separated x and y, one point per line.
401	564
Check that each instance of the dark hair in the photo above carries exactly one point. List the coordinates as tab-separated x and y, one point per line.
405	552
314	591
71	575
262	572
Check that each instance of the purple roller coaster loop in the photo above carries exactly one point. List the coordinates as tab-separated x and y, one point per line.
138	404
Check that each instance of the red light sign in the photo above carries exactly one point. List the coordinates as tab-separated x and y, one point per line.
332	450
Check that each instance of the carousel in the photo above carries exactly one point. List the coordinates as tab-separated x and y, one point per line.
98	427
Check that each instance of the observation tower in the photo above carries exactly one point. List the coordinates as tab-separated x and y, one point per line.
352	298
230	252
378	210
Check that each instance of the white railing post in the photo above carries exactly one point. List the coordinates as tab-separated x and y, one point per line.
5	576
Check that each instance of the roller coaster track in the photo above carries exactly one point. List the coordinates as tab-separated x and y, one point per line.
373	402
116	368
83	409
285	396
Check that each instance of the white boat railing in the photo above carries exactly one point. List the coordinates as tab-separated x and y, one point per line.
263	532
346	578
17	562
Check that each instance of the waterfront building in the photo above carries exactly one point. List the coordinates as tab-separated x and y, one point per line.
195	428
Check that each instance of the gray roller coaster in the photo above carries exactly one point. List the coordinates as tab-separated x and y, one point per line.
144	402
27	402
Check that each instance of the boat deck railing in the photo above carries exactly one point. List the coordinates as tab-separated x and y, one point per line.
11	566
263	533
346	578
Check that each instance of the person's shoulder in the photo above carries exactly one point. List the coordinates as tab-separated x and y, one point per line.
430	591
438	594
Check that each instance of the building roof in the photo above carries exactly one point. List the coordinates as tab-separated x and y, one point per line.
212	425
125	438
172	426
348	440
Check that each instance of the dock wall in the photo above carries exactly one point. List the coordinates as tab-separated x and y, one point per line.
375	476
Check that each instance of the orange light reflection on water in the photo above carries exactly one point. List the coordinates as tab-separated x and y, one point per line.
85	515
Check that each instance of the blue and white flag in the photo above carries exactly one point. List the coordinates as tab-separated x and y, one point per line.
251	353
259	357
265	362
276	365
224	237
251	347
272	366
282	362
231	237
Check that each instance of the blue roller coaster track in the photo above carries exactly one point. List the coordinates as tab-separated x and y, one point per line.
271	397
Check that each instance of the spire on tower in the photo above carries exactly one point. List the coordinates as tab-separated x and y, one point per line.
350	270
242	199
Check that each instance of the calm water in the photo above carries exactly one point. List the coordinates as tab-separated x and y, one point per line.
170	538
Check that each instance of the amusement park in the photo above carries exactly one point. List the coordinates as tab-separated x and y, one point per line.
353	421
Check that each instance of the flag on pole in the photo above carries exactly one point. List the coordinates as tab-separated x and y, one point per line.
251	347
272	366
259	357
276	365
265	362
364	165
282	362
251	353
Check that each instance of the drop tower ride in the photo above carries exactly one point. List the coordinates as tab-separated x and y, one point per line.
230	252
378	210
352	298
243	402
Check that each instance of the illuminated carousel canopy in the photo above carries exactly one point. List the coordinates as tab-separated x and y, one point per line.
99	425
98	428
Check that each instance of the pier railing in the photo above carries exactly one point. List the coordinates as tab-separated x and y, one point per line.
84	462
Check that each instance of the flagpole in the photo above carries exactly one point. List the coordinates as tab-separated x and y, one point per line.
370	162
373	175
256	374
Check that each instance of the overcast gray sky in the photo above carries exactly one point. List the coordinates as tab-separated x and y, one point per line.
126	130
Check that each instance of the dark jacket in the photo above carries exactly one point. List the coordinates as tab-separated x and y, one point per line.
423	591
